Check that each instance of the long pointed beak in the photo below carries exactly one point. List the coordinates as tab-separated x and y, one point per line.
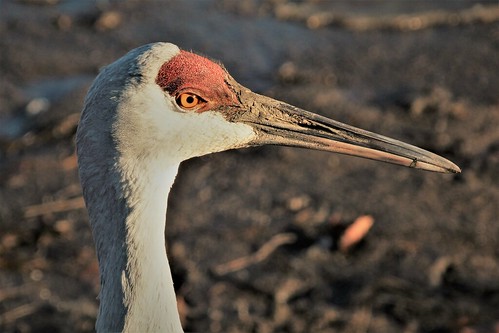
279	123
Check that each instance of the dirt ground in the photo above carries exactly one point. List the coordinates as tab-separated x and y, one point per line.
257	237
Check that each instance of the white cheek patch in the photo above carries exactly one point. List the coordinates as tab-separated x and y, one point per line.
196	134
152	125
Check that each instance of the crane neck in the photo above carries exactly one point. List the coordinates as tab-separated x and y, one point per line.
137	293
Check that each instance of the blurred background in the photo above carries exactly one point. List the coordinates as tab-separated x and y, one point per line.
321	242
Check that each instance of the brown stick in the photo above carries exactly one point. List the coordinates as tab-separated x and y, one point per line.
410	22
54	207
260	255
16	313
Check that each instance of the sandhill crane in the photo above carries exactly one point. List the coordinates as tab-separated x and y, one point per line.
146	113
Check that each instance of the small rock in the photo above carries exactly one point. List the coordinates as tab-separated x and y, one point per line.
63	226
36	275
108	21
64	22
37	106
9	241
288	72
298	203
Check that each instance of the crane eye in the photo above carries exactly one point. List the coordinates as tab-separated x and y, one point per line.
188	100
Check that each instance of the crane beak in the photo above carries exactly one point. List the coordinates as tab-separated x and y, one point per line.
279	123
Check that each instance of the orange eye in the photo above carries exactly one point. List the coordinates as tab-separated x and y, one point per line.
188	100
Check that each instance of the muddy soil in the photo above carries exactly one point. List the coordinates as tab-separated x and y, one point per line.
430	262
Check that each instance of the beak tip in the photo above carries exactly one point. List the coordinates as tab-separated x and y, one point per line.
444	167
452	168
455	169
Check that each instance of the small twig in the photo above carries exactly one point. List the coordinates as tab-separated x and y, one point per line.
10	292
54	207
18	312
260	255
316	19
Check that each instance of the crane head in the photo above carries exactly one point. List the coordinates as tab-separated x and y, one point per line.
177	103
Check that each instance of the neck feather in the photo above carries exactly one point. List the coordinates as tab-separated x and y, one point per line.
137	293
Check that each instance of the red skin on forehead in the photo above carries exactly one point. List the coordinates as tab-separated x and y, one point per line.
189	72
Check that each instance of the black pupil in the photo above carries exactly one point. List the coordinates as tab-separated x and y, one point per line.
190	99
